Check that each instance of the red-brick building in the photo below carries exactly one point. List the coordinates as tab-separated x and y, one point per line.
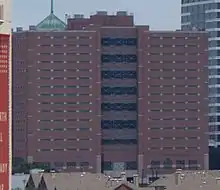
5	94
103	94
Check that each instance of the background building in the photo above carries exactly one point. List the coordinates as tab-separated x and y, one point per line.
110	94
5	87
204	15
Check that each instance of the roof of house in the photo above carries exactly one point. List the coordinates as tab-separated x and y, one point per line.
19	181
82	181
190	180
36	178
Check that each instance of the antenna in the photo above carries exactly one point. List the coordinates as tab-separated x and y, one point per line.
51	6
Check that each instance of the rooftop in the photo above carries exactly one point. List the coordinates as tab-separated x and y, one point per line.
19	181
51	22
82	181
190	180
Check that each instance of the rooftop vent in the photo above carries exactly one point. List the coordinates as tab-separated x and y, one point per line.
32	27
136	179
123	176
104	13
78	16
19	29
218	180
122	13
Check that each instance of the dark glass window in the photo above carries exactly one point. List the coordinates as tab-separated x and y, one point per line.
119	74
214	81
107	166
119	107
131	165
119	124
84	164
193	164
118	58
119	90
214	53
119	41
167	164
119	141
71	164
180	164
155	164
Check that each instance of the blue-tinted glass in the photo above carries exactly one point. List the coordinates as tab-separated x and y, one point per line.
119	124
119	107
119	74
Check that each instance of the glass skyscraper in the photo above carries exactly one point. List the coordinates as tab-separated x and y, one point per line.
205	15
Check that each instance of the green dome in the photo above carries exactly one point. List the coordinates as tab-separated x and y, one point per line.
51	23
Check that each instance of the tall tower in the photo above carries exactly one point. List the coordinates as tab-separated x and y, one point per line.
205	15
5	88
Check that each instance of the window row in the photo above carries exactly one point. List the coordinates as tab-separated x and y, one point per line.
183	148
214	71
191	1
66	120
198	8
63	149
214	53
109	166
119	41
173	94
173	102
171	37
65	111
65	86
214	118
215	137
173	78
65	103
192	45
65	37
214	91
213	100
64	94
213	34
64	54
214	43
174	119
64	70
173	70
172	53
214	128
61	164
174	138
119	124
119	106
184	128
65	62
107	58
65	129
77	45
65	78
174	86
68	139
180	164
119	90
119	141
213	24
174	110
119	74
